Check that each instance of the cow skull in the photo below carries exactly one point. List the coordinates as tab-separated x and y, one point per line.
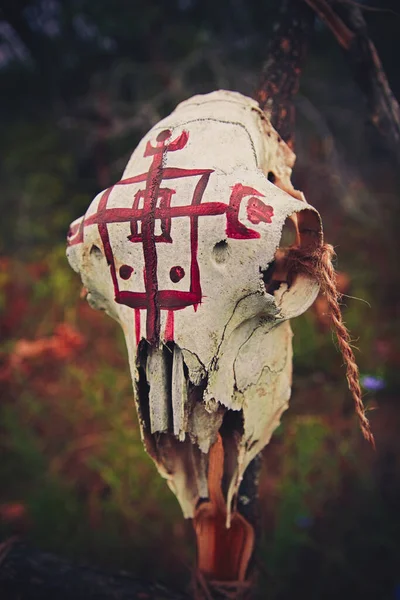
184	253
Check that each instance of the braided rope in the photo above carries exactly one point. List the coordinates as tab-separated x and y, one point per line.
318	264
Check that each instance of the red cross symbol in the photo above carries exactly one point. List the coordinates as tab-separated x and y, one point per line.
155	203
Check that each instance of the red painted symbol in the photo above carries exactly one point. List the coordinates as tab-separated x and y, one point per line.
257	211
125	271
176	274
155	203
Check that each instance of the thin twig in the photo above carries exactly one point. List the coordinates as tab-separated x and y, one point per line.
325	12
366	8
350	30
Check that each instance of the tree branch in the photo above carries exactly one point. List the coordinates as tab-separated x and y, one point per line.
347	23
281	73
325	12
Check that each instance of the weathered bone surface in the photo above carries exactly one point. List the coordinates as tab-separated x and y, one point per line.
184	253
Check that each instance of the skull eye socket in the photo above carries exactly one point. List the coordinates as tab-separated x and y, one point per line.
96	252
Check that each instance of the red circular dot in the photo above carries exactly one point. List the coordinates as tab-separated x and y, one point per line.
164	135
176	274
125	271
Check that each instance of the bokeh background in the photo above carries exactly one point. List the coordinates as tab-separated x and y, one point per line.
81	82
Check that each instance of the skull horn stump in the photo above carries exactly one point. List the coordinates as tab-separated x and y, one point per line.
185	253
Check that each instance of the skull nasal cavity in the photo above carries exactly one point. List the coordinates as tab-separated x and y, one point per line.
125	271
176	274
221	252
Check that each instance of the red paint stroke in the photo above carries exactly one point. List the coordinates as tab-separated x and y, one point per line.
150	195
169	327
73	230
167	299
75	233
122	215
137	325
125	271
257	211
169	173
176	274
152	203
163	205
105	238
234	228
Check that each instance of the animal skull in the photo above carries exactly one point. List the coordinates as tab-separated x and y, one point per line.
181	252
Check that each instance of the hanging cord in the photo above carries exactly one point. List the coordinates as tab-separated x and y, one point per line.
318	264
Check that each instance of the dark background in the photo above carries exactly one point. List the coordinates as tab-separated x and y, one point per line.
81	82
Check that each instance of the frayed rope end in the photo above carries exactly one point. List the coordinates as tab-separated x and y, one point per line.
317	263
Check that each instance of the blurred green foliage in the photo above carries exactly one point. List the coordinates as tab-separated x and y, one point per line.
71	447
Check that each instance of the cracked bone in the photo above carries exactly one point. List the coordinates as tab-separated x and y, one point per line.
184	253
